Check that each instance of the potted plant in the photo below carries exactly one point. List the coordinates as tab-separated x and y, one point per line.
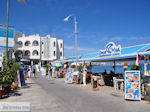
8	74
1	90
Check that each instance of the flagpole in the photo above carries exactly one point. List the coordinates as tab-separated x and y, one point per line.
137	64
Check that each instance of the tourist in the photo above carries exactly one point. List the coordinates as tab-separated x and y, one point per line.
34	71
84	74
25	71
29	71
50	71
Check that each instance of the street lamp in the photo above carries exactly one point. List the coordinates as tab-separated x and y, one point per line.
24	1
75	22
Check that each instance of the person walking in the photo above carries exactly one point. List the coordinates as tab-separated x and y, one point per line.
84	74
34	71
29	71
25	71
50	72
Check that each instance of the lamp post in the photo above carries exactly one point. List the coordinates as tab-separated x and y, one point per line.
75	22
7	30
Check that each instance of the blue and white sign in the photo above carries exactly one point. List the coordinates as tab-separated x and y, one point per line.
3	37
110	50
132	85
69	76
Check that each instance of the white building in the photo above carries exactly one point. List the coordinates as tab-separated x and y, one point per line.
36	48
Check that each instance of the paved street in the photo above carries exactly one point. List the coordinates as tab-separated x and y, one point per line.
56	96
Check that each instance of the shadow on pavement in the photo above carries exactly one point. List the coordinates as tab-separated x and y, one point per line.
12	93
51	83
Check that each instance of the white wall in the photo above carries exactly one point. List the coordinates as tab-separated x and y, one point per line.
30	48
61	48
50	47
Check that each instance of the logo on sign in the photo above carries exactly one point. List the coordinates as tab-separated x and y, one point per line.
110	50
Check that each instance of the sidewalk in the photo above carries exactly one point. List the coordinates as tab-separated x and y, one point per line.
39	99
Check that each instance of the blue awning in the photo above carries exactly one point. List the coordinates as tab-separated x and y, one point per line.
126	53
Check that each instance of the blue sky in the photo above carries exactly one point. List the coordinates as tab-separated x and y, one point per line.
125	22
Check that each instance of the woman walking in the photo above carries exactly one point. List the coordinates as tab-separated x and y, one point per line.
29	72
34	71
50	72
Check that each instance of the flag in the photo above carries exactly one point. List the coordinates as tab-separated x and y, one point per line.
139	58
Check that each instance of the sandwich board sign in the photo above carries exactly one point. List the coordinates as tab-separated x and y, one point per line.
132	85
69	75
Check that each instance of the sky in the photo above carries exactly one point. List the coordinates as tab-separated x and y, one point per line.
125	22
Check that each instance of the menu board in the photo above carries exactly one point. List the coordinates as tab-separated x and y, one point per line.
69	76
132	85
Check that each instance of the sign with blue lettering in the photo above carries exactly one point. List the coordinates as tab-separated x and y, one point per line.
3	37
110	50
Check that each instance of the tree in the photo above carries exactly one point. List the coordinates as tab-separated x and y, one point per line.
18	55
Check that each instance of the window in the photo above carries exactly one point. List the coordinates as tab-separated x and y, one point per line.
35	43
61	45
60	53
27	53
35	53
54	53
20	44
27	43
54	44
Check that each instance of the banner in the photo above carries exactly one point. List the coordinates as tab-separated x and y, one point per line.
3	37
132	85
69	76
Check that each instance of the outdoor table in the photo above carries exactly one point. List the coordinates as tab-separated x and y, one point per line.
117	82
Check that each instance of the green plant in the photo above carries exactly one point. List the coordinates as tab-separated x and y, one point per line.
80	67
135	67
18	55
8	74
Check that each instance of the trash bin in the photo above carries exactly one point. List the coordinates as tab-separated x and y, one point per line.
94	83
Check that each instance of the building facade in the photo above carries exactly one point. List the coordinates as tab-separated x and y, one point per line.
36	48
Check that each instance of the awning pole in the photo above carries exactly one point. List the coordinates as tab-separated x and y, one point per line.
145	65
137	60
114	67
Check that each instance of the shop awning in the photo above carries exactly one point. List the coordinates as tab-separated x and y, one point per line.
127	53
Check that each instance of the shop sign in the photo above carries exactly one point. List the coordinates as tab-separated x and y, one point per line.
110	50
11	33
132	85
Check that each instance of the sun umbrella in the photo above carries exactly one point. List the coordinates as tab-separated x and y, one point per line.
22	64
57	65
